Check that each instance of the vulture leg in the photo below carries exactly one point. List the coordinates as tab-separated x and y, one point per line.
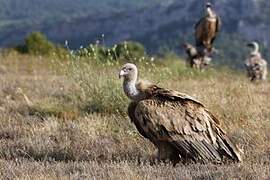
167	153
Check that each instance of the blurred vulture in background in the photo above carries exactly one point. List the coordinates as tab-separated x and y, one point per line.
194	59
206	30
193	56
179	126
256	66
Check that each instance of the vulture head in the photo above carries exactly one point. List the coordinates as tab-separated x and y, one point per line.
209	10
129	72
254	45
255	48
209	5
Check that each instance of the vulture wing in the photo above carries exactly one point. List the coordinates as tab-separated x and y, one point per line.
199	32
218	24
184	123
218	27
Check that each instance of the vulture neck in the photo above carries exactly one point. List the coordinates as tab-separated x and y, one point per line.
131	89
210	13
256	49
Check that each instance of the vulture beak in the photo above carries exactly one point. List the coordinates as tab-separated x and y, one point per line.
121	74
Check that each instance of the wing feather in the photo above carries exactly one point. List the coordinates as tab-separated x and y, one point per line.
199	31
217	28
173	95
198	23
218	24
131	113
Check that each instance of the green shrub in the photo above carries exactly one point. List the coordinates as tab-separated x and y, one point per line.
37	43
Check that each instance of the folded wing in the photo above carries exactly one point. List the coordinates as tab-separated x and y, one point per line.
185	124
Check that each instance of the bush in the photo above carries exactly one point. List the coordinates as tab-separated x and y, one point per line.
37	43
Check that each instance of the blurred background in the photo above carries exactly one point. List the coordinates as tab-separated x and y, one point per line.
160	26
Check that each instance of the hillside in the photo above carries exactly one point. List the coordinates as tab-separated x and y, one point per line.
43	10
68	120
159	26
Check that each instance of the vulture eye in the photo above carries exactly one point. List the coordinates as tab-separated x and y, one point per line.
129	69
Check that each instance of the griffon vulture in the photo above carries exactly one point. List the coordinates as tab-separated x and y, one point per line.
207	29
256	66
195	59
179	126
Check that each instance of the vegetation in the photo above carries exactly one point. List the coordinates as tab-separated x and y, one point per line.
133	51
76	124
37	43
130	50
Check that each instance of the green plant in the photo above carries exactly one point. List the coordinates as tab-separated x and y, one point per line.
37	43
130	50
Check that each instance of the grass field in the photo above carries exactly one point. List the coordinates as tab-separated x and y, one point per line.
66	119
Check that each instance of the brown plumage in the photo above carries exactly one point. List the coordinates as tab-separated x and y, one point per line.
256	66
194	58
179	126
190	50
207	29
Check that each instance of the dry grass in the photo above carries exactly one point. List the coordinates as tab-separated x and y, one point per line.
77	127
